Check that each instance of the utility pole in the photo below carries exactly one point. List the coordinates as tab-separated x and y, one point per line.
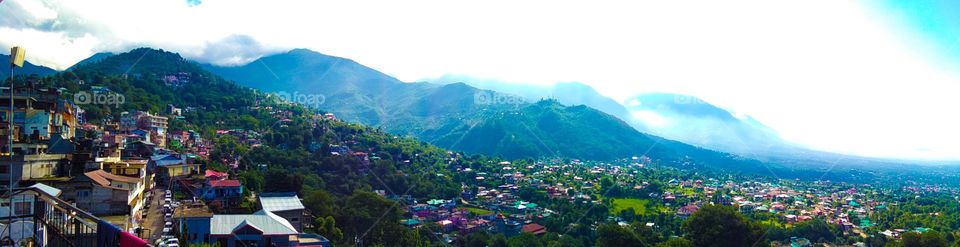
16	60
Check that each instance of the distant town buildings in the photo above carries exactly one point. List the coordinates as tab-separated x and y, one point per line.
154	125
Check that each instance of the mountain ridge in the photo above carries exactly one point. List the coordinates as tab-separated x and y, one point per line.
444	114
28	69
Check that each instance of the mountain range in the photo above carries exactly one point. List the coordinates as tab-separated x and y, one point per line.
462	117
28	69
674	116
509	119
454	115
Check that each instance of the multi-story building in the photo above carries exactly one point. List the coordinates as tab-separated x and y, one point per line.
41	126
156	125
286	205
102	193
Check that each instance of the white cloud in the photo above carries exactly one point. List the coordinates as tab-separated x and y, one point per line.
651	118
830	74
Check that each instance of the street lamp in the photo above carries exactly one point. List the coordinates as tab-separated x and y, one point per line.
16	60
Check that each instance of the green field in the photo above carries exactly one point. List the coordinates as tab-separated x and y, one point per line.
639	205
477	211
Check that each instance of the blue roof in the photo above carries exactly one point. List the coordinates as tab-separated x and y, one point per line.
167	160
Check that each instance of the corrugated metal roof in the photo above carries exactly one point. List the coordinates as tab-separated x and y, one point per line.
225	183
280	202
269	223
47	189
106	179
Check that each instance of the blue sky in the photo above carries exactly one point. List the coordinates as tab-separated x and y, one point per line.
858	77
934	21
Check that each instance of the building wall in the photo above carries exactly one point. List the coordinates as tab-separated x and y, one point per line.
34	166
295	217
94	198
177	171
39	121
39	169
198	229
234	240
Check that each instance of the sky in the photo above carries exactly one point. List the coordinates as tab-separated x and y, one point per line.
874	78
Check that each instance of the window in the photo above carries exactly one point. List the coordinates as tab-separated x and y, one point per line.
22	208
83	193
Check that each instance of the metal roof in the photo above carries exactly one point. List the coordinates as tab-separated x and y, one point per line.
47	189
276	202
268	223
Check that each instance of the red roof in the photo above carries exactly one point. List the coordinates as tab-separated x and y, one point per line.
534	228
105	179
225	183
212	173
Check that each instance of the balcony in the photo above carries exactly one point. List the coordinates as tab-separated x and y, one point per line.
45	220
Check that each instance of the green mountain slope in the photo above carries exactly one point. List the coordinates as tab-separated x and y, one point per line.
547	128
457	116
93	59
137	75
28	69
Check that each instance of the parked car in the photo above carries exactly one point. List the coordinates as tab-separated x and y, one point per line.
172	241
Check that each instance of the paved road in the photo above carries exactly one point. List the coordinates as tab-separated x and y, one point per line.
154	221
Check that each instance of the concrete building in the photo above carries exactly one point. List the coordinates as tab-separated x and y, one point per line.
286	205
230	230
102	193
156	125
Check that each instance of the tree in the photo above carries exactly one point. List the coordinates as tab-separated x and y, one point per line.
910	239
715	225
817	230
645	233
926	239
566	241
327	226
612	235
499	241
320	202
676	242
370	218
932	239
278	180
525	239
477	239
